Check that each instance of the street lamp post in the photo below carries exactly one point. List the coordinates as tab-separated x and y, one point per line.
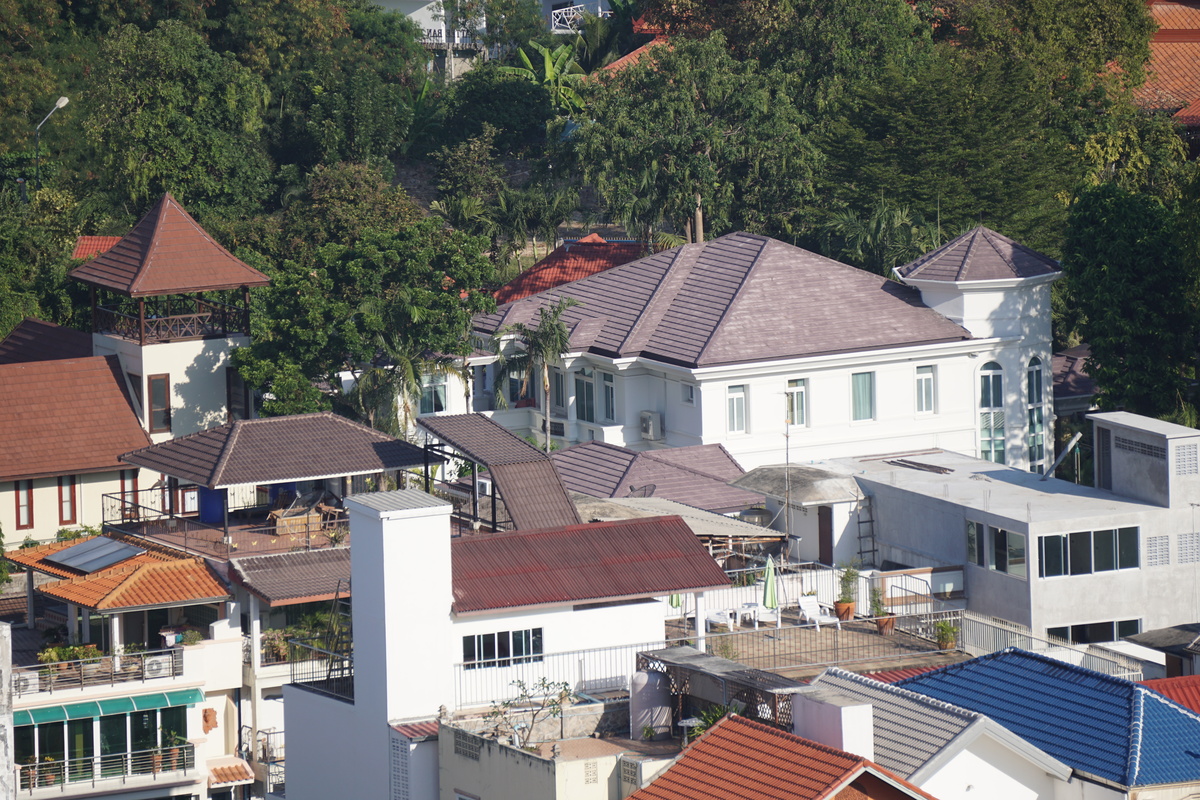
37	152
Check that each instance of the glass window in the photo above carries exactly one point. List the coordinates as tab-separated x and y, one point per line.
1127	548
610	396
737	409
160	403
24	494
433	394
66	500
991	413
558	388
862	387
976	548
1086	552
502	649
926	390
1008	552
796	396
1079	553
1104	549
237	395
991	386
688	394
585	396
1052	558
1037	414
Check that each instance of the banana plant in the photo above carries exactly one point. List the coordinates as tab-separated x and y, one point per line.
559	73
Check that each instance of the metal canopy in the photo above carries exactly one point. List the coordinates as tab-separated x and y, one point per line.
113	705
95	554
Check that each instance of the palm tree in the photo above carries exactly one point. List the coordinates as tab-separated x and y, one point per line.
887	237
386	391
544	346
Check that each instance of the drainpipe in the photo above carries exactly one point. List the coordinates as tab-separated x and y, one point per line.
701	620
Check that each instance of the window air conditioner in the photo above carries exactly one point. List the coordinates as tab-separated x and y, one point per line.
158	667
652	425
26	683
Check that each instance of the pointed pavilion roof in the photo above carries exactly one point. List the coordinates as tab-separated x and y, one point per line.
167	252
980	254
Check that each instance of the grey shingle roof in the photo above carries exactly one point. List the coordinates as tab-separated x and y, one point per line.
739	298
910	729
398	500
980	254
277	449
288	578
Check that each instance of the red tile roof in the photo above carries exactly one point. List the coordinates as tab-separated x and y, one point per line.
418	731
633	57
229	772
1184	690
88	246
167	252
35	340
65	418
38	558
580	563
739	759
570	262
893	675
1173	80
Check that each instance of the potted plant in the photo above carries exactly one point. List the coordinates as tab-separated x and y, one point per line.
946	634
171	742
847	591
885	621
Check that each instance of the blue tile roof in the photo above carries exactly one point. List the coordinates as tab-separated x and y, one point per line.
1108	727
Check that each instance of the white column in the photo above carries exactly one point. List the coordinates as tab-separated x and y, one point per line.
115	634
87	628
29	621
701	620
72	623
255	634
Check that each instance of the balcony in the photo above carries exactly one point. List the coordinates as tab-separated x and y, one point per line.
567	20
203	319
63	676
252	531
322	671
159	767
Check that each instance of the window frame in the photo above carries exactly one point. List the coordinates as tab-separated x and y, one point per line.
585	395
24	488
926	386
558	390
608	392
856	397
67	500
430	394
1035	432
687	394
237	396
796	396
737	419
504	648
992	439
1000	543
152	411
1082	551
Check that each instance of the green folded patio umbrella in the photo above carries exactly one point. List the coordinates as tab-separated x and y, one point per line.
770	595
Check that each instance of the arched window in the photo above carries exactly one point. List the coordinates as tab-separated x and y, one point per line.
1036	395
991	412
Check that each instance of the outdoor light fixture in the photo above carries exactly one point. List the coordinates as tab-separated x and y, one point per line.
37	152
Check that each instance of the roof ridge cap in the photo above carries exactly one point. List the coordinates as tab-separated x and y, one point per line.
738	295
226	451
652	455
908	694
114	595
1133	763
972	238
152	243
679	269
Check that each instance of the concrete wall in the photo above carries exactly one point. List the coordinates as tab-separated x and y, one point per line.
89	510
989	770
334	751
500	773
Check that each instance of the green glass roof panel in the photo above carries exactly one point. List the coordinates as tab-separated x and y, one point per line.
185	697
22	718
82	710
116	705
147	701
48	714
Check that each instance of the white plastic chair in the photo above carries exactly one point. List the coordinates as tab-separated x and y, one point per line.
810	609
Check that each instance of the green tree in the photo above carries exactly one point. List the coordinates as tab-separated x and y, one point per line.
515	107
541	347
690	124
1131	261
166	113
556	70
890	235
511	22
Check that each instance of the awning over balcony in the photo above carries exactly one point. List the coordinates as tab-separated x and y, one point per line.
113	705
226	771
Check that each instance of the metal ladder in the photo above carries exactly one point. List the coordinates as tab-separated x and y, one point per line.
868	551
339	636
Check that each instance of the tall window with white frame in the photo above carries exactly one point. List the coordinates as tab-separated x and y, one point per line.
609	409
1037	416
433	393
862	396
585	395
991	412
736	401
797	398
926	390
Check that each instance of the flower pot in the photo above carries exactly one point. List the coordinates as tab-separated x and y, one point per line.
886	625
844	611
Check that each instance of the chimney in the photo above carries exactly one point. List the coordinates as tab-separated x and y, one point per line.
834	720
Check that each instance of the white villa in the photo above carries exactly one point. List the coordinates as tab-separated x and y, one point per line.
780	354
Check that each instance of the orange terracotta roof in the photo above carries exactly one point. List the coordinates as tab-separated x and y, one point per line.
141	585
1173	79
1173	17
1190	115
228	771
167	252
570	262
632	57
739	759
88	246
38	558
1184	690
65	417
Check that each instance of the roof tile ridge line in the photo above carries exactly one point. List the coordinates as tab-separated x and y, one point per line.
151	546
122	588
625	472
652	455
972	236
925	258
226	451
907	694
1133	763
1026	248
765	243
1174	705
152	244
988	235
680	268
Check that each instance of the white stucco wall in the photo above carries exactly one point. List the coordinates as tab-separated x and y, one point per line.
989	770
334	750
89	491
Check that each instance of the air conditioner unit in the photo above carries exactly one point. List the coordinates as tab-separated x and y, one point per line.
26	683
652	425
157	667
483	488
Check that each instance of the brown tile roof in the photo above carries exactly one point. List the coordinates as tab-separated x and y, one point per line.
1184	690
229	772
285	579
1070	373
980	254
1189	115
631	58
88	246
65	418
167	252
418	731
739	759
525	478
705	304
158	577
36	340
277	449
570	262
579	564
697	476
